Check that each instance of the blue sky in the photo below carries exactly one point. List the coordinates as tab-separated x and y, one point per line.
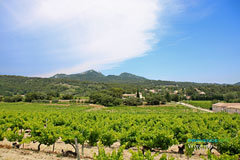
179	40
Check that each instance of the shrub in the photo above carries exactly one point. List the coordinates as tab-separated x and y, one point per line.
16	98
153	100
8	99
175	98
55	101
67	96
163	101
104	99
73	101
132	101
35	96
117	102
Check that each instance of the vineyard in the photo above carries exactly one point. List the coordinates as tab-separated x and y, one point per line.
202	104
150	130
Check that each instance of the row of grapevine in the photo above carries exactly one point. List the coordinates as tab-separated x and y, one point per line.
150	132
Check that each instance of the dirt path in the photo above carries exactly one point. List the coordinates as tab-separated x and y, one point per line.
94	107
17	154
193	107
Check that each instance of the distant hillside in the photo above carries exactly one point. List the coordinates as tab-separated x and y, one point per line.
83	84
90	75
124	78
238	84
95	76
12	85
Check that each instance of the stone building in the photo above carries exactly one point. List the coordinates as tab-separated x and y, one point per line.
133	95
226	107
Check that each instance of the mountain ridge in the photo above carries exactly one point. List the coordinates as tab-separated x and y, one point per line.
90	81
94	76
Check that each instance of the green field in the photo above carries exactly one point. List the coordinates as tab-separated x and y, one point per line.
38	107
201	104
154	127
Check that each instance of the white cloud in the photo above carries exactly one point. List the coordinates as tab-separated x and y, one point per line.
100	33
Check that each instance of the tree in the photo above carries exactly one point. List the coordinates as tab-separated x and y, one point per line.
29	97
163	100
8	99
175	98
132	101
153	99
16	98
67	96
95	98
105	98
52	94
117	102
116	92
229	96
138	95
168	97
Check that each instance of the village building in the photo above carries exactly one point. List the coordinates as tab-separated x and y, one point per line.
133	95
129	95
226	107
64	101
200	92
152	91
188	97
175	92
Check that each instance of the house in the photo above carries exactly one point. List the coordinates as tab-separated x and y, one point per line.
200	92
133	95
226	107
175	92
129	95
152	91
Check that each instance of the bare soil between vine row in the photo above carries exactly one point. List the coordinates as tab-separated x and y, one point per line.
29	152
